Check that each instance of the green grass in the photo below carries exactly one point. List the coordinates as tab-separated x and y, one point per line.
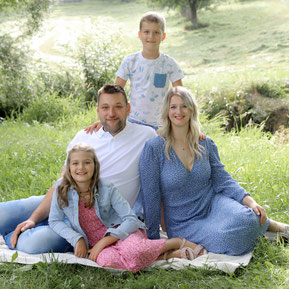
31	159
243	42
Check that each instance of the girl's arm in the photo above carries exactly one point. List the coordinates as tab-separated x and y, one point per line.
100	245
130	222
57	224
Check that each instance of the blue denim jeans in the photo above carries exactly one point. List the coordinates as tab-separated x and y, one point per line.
41	239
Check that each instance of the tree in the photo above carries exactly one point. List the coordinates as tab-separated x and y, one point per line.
188	7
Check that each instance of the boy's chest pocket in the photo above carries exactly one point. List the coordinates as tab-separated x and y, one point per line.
160	80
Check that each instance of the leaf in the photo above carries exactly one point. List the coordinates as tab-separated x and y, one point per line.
25	268
14	256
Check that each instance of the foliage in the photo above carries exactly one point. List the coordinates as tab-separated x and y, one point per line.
188	7
15	89
255	104
100	56
50	109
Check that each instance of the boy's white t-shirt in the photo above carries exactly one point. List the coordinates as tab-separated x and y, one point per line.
149	83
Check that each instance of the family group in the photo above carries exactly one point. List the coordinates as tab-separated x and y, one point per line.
144	168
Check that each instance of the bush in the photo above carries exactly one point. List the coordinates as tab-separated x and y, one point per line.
248	106
99	56
50	109
15	89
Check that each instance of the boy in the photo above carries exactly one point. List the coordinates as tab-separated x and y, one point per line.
150	73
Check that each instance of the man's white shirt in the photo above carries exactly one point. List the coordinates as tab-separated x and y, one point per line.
119	156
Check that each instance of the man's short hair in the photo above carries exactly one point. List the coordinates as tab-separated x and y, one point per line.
112	89
155	18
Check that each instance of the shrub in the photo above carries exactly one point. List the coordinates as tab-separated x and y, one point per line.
248	106
15	89
99	56
50	108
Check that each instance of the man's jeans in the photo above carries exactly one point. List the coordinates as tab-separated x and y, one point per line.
41	239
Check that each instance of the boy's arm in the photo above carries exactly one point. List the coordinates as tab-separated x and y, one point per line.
40	214
178	83
121	82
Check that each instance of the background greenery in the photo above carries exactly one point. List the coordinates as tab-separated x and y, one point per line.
236	65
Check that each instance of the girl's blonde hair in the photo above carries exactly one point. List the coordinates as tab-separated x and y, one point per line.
68	181
194	130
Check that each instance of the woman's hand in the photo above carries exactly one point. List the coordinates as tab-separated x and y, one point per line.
94	127
259	211
80	248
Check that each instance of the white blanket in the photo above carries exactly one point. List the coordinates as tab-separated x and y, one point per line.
225	263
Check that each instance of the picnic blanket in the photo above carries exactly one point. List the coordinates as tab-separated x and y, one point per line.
225	263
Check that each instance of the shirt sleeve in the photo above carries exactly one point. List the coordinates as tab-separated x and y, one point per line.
150	190
176	73
123	70
222	181
130	222
57	224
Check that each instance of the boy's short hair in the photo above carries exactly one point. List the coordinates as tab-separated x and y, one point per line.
153	17
112	89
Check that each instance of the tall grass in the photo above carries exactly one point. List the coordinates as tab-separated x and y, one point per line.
31	159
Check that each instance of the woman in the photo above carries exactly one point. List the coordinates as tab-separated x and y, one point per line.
201	201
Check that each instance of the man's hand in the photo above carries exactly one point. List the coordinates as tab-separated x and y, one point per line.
94	127
80	249
28	224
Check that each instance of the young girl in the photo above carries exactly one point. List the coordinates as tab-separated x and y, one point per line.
102	224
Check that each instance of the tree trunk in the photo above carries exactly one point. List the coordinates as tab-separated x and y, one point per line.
193	7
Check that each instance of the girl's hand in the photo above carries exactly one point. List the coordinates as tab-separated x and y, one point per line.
80	249
100	245
94	127
259	211
93	252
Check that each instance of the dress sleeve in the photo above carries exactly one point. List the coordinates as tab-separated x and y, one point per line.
57	224
150	190
222	181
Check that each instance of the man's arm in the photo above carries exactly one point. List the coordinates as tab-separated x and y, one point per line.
40	214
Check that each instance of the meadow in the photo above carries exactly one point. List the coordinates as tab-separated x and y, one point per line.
243	43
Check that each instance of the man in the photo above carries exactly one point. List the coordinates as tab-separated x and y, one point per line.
118	145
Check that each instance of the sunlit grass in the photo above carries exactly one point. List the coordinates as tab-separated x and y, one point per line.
31	159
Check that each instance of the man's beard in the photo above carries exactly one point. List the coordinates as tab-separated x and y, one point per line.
116	128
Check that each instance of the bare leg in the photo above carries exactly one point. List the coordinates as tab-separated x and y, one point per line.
173	245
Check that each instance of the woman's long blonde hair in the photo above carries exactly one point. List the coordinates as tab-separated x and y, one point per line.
194	130
68	181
